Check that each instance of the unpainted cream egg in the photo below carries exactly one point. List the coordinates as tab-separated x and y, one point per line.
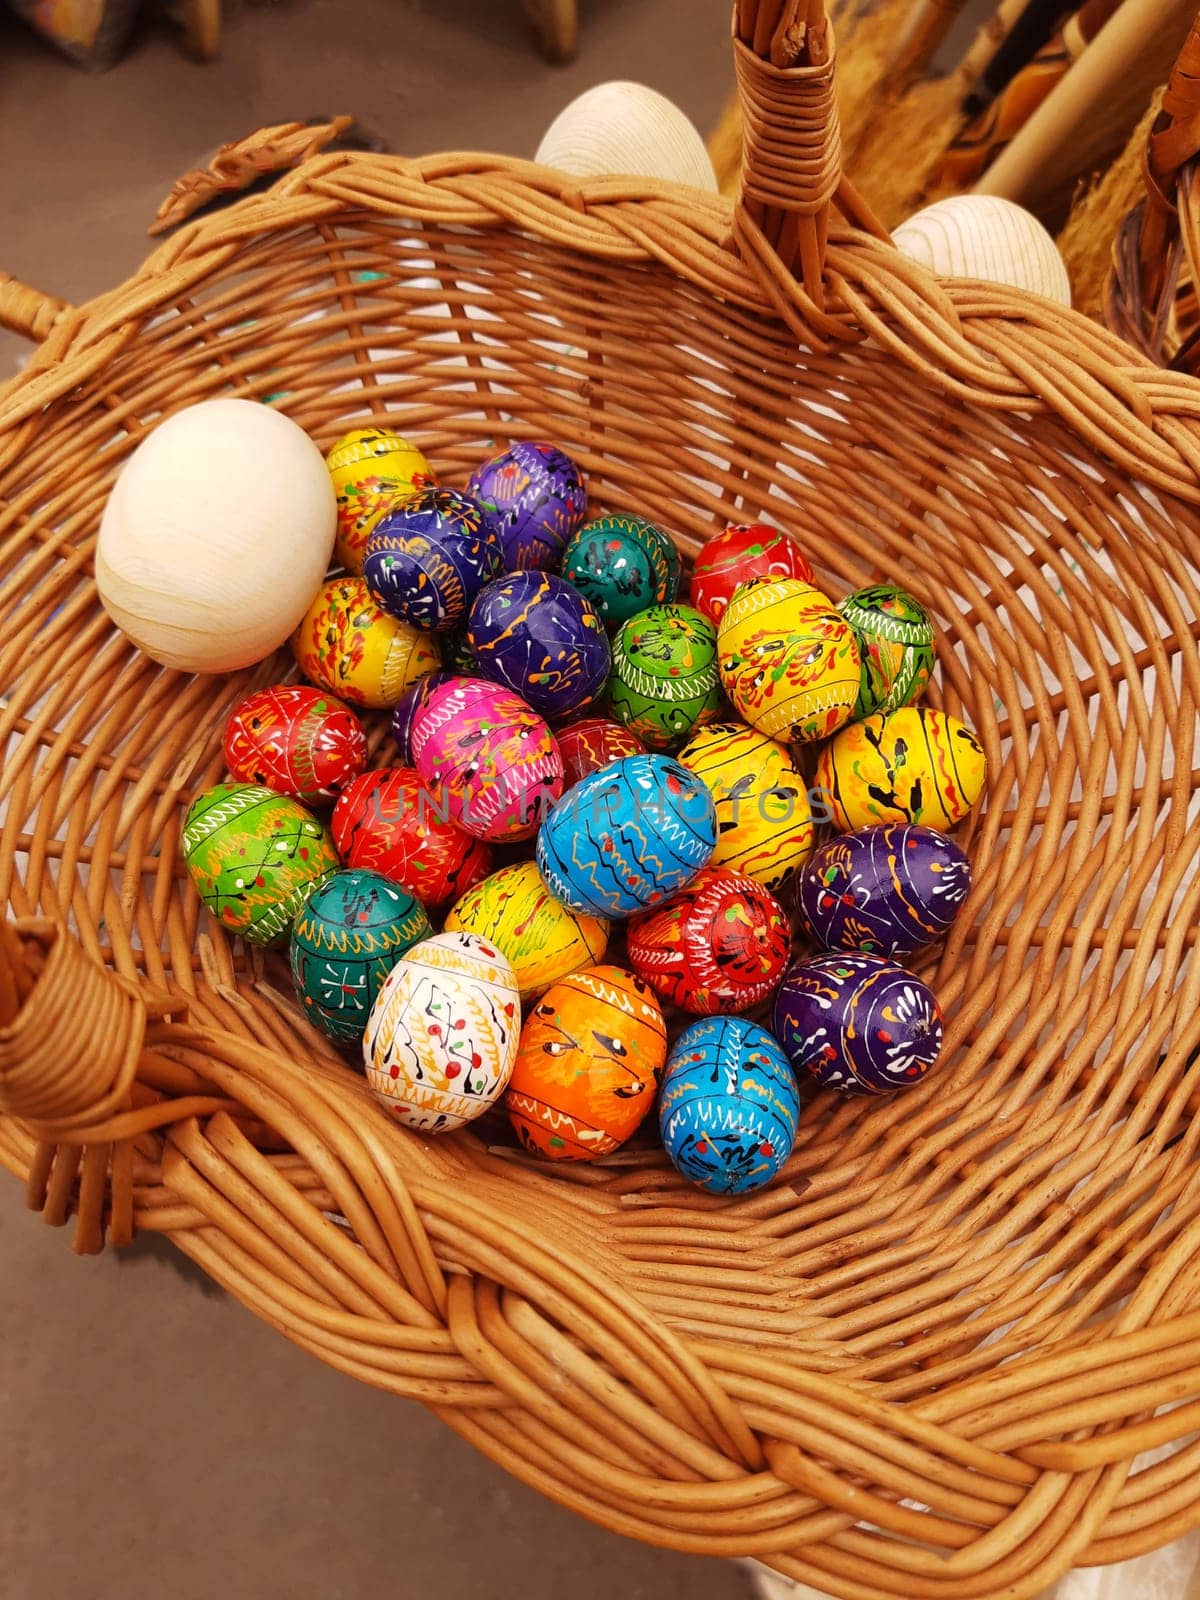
986	237
627	129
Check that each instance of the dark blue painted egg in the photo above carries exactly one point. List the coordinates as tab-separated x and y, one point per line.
889	890
539	637
627	837
427	559
858	1024
729	1106
536	494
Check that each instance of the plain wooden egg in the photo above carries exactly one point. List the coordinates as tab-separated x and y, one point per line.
626	129
983	236
216	536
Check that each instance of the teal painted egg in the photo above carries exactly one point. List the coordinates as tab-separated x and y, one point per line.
622	564
664	680
347	938
895	644
255	857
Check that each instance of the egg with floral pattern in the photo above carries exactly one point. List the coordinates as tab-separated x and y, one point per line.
391	823
543	939
664	680
895	645
347	645
911	765
372	468
296	740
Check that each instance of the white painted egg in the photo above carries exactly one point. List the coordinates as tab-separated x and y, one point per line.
216	536
624	129
442	1036
983	236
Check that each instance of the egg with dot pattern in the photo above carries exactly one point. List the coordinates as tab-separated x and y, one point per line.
296	740
391	823
371	468
911	765
588	1065
627	836
535	493
346	939
349	646
729	1106
254	857
858	1024
427	558
534	633
895	646
622	564
743	551
543	939
664	679
789	661
442	1035
765	824
889	890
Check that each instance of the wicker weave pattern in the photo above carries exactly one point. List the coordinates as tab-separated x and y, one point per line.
923	1364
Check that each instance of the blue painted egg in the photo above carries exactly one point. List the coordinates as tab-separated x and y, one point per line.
426	560
539	637
627	836
536	494
729	1106
347	938
887	891
404	712
858	1024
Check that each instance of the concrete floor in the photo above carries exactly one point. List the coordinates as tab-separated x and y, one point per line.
155	1438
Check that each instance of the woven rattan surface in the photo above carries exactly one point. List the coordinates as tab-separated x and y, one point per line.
923	1364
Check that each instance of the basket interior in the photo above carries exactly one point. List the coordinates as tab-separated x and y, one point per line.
1016	1197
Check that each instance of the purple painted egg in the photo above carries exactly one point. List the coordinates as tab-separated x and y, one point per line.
887	891
857	1024
404	713
538	636
537	499
488	758
427	558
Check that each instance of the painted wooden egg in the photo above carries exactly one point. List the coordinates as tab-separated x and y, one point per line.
537	496
765	824
722	944
745	550
371	469
404	712
887	891
255	857
427	558
910	765
664	679
492	758
729	1106
789	660
349	646
857	1023
542	938
390	823
591	743
541	638
442	1035
895	646
345	940
627	836
295	740
622	564
588	1065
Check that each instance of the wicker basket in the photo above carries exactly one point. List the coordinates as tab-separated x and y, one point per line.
921	1365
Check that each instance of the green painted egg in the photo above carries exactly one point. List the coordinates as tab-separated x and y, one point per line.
345	941
895	643
622	565
664	679
255	857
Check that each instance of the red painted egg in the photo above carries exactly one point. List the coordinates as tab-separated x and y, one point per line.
745	550
295	740
590	744
720	945
392	824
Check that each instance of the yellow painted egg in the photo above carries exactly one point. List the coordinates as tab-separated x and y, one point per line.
911	765
540	936
371	469
350	647
764	821
588	1066
788	659
442	1035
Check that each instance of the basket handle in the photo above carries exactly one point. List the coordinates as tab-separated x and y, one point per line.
28	311
792	173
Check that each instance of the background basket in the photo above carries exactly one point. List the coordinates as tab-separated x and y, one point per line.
923	1363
